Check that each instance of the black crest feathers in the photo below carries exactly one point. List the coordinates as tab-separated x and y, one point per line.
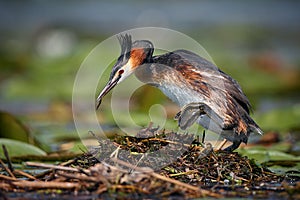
125	43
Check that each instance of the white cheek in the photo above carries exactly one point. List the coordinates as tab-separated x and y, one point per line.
127	72
123	77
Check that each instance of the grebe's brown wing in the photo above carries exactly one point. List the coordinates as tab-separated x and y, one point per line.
198	68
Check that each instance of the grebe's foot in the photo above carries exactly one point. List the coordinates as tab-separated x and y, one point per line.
188	115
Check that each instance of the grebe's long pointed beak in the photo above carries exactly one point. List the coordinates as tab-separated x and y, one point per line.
109	86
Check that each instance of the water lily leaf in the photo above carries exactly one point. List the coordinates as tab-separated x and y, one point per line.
278	169
12	128
17	148
264	155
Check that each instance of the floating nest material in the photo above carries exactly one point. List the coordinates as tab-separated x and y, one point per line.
153	164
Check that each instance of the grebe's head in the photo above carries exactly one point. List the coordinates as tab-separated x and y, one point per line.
133	54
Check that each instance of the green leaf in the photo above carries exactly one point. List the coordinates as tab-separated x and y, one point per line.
278	169
264	155
13	128
17	148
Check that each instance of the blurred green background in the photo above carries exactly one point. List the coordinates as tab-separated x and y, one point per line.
43	44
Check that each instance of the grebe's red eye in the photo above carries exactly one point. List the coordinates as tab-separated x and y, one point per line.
121	71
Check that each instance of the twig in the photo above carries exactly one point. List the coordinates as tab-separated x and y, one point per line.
158	176
79	177
7	158
251	170
49	166
168	141
45	185
184	173
7	169
97	179
51	170
7	178
67	162
19	172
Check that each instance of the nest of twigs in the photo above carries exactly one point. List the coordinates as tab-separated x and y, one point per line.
153	164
